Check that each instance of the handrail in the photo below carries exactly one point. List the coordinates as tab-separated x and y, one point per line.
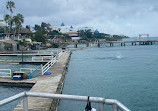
41	58
100	101
30	69
6	73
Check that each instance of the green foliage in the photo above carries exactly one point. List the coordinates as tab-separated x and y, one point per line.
28	27
41	28
86	34
67	37
1	30
89	36
10	5
39	37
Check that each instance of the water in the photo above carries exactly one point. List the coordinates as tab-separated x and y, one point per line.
128	74
6	92
16	67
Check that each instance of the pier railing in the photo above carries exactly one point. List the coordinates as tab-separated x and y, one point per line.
5	73
116	105
28	70
51	62
48	65
41	58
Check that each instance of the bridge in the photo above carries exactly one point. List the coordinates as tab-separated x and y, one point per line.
141	42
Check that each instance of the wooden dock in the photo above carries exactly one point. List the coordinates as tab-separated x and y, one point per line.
20	83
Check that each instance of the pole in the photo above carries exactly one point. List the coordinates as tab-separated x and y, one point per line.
22	55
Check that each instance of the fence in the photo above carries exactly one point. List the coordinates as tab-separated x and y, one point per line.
48	65
5	73
41	58
101	101
34	72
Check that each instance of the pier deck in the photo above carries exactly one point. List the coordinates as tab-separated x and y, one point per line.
48	84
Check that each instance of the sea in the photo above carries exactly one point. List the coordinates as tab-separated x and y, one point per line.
128	74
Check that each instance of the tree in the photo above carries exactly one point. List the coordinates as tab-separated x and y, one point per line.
7	19
28	27
37	27
10	5
86	34
39	37
18	20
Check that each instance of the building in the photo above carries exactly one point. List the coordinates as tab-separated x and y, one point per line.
70	30
86	28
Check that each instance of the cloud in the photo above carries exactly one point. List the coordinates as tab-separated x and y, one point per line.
129	17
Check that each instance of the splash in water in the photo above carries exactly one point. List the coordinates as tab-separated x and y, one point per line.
119	55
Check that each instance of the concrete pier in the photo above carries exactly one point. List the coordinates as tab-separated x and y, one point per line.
48	84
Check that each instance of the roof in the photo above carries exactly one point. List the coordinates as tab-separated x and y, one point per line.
96	31
25	30
71	27
71	32
62	24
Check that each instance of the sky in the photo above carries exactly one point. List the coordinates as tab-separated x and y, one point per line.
128	17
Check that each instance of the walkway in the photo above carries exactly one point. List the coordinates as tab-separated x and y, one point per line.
48	84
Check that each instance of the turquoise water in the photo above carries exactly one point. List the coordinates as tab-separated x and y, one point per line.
16	67
6	92
128	74
16	58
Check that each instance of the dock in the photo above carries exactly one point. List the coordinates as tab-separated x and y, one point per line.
137	42
26	54
48	84
22	83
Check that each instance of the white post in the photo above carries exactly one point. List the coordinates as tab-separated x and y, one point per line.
10	73
114	107
101	107
25	103
42	69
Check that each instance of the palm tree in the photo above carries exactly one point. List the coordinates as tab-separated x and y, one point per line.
7	18
10	5
18	20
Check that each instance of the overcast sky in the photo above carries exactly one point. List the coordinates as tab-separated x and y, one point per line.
129	17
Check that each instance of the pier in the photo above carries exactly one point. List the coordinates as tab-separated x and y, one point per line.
48	84
123	43
26	54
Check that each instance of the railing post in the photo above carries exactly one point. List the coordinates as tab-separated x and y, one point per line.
114	107
25	103
42	69
101	106
10	73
